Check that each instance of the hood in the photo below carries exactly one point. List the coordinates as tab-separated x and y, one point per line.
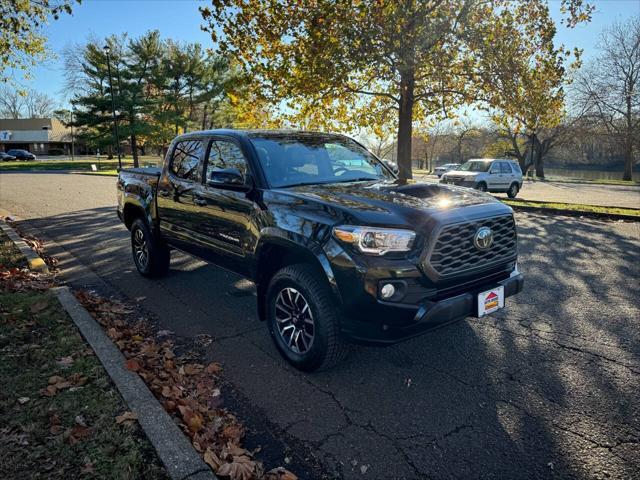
389	203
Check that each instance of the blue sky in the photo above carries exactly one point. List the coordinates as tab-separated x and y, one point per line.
180	20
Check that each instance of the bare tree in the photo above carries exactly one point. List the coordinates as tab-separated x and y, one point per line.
29	104
609	88
39	105
11	103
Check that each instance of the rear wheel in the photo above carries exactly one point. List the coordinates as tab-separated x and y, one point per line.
513	190
303	319
481	187
150	254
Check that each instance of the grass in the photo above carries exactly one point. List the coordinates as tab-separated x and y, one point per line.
73	432
10	256
574	207
75	165
603	181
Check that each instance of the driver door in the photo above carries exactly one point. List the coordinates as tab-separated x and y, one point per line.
225	209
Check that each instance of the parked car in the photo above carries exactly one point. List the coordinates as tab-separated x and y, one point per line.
5	157
487	175
21	154
447	167
340	251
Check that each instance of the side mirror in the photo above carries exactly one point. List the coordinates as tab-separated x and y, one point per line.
220	177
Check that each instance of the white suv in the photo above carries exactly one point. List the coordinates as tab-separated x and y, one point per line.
487	175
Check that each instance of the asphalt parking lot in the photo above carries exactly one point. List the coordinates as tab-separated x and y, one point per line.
547	388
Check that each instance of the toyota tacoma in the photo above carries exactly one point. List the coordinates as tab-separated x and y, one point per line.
339	249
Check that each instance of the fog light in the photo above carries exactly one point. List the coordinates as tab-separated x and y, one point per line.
387	291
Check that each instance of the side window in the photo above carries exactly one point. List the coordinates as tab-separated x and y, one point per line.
495	167
224	154
506	167
186	158
516	168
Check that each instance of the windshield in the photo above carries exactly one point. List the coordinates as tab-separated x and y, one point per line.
290	159
475	166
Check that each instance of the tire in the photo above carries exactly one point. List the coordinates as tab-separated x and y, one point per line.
150	254
513	190
296	286
482	187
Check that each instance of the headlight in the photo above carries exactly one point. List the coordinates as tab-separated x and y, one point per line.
375	241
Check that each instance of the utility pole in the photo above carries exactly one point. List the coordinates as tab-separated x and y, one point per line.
107	49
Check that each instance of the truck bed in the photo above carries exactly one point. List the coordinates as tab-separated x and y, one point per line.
153	171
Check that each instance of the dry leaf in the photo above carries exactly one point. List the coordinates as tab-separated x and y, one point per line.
280	473
39	306
65	361
212	459
23	400
192	419
213	368
241	468
128	417
133	365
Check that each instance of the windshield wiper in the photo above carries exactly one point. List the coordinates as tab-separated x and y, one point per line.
360	179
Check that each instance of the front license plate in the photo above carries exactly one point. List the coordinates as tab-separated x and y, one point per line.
490	301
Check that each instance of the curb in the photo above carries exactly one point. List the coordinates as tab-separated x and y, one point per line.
33	260
175	451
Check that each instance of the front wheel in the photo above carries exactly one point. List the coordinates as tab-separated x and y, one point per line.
150	254
482	187
513	190
303	319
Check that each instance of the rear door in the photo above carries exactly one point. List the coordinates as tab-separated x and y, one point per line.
508	174
176	189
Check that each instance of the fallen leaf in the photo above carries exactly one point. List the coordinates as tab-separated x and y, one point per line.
280	473
80	420
241	468
213	368
23	400
140	299
211	459
39	306
55	379
192	419
78	432
127	417
133	365
50	391
65	361
233	433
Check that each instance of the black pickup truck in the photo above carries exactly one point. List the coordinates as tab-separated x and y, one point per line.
340	250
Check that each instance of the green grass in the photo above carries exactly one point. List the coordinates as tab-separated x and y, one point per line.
574	207
552	179
10	256
74	165
42	436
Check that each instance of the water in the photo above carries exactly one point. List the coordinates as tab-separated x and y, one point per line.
588	174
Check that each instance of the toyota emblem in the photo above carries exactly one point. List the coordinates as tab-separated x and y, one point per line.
483	238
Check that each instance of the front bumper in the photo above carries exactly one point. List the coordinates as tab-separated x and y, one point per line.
427	316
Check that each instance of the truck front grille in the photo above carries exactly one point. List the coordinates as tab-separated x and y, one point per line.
454	251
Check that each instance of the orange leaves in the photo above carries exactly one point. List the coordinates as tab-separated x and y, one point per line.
133	365
191	418
187	390
126	418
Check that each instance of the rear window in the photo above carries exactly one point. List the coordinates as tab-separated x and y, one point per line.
186	158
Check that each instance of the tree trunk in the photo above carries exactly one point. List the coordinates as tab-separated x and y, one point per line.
134	150
109	152
538	157
628	160
204	116
405	125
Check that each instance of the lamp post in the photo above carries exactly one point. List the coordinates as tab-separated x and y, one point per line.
107	50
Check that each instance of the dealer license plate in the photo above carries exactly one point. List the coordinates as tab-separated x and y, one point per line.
490	301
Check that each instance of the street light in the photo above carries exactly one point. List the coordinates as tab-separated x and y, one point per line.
107	50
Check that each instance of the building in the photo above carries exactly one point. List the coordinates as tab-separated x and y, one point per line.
40	136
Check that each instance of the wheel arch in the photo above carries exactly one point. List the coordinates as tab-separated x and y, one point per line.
276	252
